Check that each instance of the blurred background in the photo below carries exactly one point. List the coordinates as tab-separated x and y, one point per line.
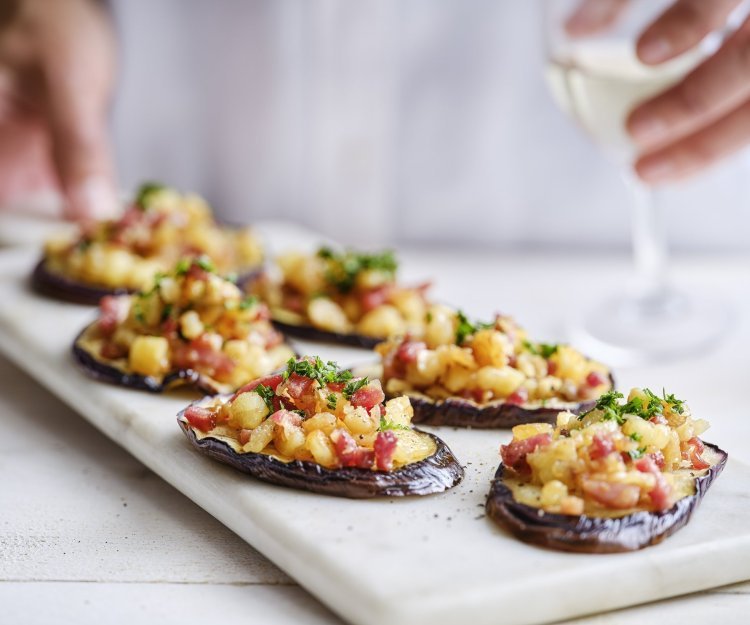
383	121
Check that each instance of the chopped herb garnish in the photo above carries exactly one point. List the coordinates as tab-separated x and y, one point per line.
267	394
353	386
344	267
331	401
636	437
248	302
166	312
428	317
545	350
183	266
315	369
638	453
83	245
146	192
644	407
138	313
232	277
675	405
390	425
204	262
465	328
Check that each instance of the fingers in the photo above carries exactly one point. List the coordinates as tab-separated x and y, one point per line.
594	16
681	27
697	151
77	78
715	88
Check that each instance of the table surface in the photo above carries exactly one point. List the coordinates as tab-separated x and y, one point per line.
89	535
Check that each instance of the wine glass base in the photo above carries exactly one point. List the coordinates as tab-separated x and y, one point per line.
642	330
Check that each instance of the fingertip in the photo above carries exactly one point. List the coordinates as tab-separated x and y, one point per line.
654	49
656	169
92	198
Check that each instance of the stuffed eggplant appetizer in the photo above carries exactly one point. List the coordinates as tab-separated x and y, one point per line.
315	427
191	327
342	297
487	375
620	477
156	230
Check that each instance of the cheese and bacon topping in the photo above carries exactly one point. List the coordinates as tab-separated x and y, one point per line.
487	362
189	319
316	412
156	230
344	292
620	457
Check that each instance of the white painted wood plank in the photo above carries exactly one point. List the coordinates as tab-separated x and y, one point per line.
166	604
75	506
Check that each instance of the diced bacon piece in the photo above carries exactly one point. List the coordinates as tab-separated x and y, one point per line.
696	447
658	459
336	387
244	436
551	367
294	302
375	297
408	351
385	447
514	454
518	397
601	446
170	327
299	389
368	396
200	418
112	351
271	381
349	453
196	272
612	495
112	312
200	354
286	418
595	379
659	419
660	495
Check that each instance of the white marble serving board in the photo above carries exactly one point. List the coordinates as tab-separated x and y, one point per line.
433	560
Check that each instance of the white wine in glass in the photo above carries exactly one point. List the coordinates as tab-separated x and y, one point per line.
598	80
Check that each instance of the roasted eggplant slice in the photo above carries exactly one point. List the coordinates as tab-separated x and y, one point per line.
348	297
317	428
487	375
122	256
57	286
623	477
311	333
591	534
190	328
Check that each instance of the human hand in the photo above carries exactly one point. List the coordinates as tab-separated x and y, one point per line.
706	116
57	62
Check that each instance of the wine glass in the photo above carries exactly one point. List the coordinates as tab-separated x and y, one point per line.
597	80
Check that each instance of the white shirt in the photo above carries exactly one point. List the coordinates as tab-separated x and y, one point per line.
383	121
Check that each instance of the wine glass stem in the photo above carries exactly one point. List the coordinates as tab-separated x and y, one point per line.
649	243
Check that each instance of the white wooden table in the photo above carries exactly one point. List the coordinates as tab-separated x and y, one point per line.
89	535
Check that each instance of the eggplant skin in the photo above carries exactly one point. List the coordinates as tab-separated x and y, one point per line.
57	286
586	534
434	474
101	371
311	333
460	412
60	287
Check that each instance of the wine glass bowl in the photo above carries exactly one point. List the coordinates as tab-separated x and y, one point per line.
597	79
